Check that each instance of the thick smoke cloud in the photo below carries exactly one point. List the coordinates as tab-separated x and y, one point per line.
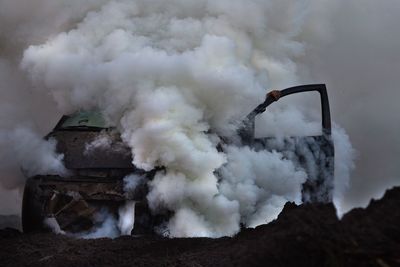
23	23
165	77
22	124
167	72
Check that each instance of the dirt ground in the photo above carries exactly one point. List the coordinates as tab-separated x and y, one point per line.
305	235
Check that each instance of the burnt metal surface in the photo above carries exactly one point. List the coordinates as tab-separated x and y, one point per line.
98	161
89	189
74	204
92	150
315	154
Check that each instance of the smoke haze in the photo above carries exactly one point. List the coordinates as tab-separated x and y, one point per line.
358	59
166	72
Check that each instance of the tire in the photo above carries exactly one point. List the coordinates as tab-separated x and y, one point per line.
32	208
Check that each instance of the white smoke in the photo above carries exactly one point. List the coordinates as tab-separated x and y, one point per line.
52	224
126	218
106	225
33	154
32	115
344	165
261	182
24	120
171	75
100	142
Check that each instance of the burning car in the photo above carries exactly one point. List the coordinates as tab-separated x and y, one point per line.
98	161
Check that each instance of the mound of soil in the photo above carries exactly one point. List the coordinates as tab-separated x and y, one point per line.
305	235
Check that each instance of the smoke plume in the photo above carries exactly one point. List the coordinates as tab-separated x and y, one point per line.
172	76
170	79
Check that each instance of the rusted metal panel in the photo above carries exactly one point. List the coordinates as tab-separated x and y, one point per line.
91	189
91	149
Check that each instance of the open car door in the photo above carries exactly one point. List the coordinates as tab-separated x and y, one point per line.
315	154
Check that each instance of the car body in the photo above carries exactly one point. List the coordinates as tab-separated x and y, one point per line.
98	161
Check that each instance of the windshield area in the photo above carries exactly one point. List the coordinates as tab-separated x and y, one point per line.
83	120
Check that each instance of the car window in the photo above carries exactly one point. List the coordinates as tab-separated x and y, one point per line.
84	119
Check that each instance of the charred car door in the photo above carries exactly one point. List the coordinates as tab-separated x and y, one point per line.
315	154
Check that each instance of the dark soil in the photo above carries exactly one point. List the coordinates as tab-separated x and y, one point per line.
306	235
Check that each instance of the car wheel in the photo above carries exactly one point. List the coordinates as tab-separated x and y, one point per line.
32	216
